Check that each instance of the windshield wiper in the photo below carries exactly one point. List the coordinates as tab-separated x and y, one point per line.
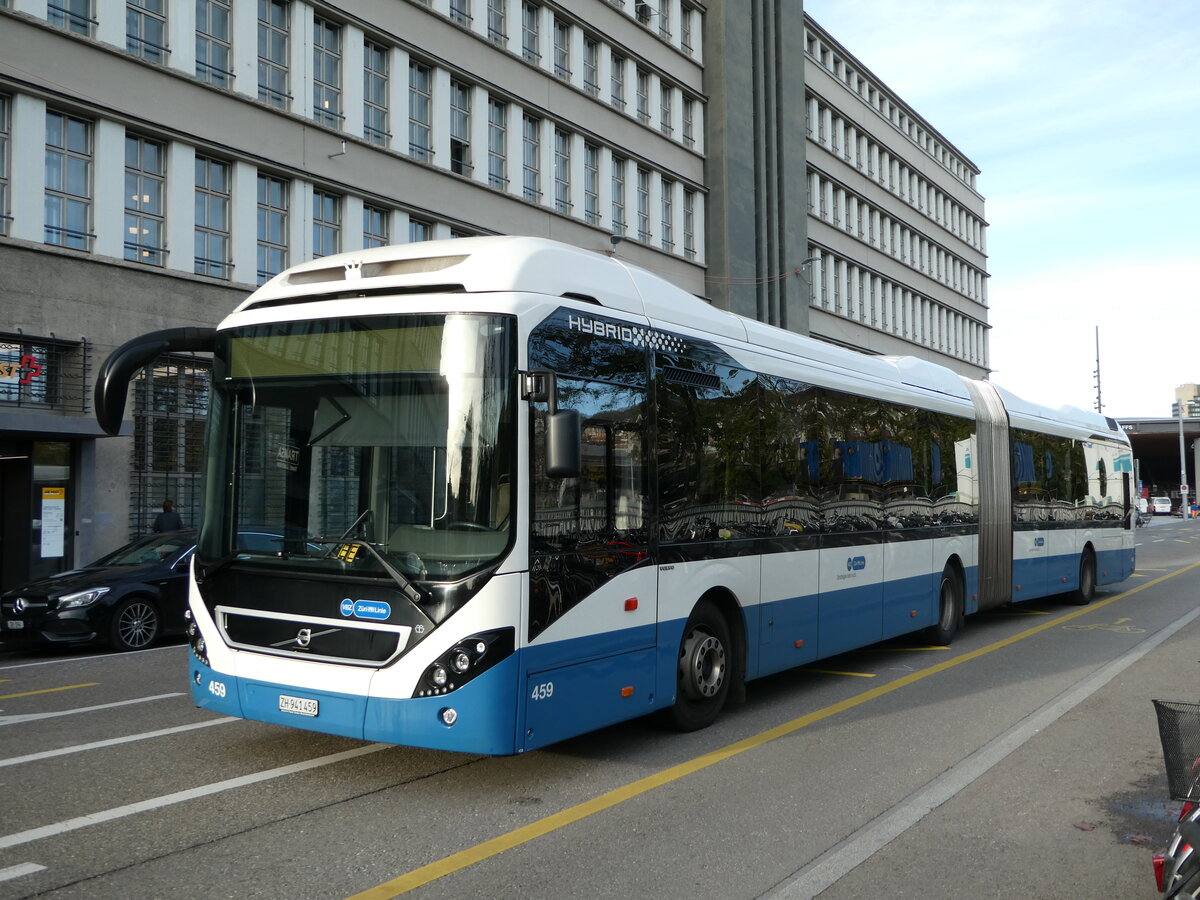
407	588
208	571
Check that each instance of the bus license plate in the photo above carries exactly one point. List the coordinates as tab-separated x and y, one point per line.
300	706
14	624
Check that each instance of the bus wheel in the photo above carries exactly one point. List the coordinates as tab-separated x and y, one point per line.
950	609
1086	591
704	670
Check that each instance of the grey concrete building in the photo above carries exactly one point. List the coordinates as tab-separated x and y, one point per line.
896	227
159	158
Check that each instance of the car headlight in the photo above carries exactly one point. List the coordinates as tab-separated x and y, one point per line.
81	598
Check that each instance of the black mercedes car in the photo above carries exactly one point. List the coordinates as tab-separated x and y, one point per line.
129	598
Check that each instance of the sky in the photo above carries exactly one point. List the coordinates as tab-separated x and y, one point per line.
1083	117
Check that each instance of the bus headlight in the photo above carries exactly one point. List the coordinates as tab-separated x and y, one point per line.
464	661
196	639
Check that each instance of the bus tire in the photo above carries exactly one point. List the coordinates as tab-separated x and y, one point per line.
1086	591
950	608
704	669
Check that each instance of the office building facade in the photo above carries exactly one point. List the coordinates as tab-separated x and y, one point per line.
160	158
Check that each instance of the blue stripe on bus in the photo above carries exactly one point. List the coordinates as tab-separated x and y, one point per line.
486	720
606	678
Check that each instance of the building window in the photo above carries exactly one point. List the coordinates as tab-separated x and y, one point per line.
498	21
664	20
375	93
460	128
668	215
643	205
617	81
530	13
689	224
5	136
531	148
642	11
664	109
562	49
45	372
213	46
419	230
212	218
689	122
618	195
327	224
591	184
74	15
497	145
145	185
375	226
68	181
272	227
420	108
685	30
460	11
591	66
327	73
146	29
562	171
273	53
643	96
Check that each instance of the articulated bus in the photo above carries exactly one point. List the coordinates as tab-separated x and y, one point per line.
521	491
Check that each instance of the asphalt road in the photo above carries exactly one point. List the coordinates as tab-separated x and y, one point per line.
1022	762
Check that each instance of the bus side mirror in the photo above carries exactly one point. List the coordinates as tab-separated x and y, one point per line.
564	455
564	458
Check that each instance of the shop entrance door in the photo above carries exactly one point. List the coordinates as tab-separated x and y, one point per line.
51	501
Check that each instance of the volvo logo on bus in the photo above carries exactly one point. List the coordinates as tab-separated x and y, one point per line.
303	637
856	563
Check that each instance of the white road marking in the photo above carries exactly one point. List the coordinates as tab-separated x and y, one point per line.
19	871
112	742
119	812
858	847
33	717
72	659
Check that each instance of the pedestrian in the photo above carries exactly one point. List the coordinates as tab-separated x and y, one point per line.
168	519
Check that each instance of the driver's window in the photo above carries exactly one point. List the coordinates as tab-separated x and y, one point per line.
608	500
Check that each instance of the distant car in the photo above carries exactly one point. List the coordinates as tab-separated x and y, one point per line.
129	598
1160	506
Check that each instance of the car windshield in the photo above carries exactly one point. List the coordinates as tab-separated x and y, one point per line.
151	549
369	446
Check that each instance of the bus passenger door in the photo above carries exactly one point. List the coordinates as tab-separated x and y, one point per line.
593	599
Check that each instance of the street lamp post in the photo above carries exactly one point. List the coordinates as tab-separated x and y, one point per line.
1183	482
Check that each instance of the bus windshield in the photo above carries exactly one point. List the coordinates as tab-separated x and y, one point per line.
380	447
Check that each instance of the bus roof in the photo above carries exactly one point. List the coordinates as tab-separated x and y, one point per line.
543	266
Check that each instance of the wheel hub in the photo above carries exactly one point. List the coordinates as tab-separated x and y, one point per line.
702	665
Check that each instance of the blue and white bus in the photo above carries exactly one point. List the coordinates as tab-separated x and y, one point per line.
522	491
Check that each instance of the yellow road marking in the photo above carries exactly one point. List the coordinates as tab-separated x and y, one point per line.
526	833
905	649
68	687
835	672
1016	611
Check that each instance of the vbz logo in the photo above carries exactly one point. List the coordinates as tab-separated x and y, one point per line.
856	563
